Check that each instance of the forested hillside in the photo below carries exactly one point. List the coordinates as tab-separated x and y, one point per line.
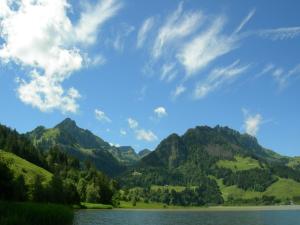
232	166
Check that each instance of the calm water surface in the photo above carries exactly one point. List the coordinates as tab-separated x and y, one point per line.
127	217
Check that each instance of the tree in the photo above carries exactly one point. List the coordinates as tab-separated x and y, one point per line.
6	182
38	190
92	193
20	189
56	190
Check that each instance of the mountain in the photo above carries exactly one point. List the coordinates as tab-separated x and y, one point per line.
144	152
78	142
235	162
126	154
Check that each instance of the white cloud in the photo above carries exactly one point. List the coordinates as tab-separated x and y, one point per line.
180	89
206	47
96	60
114	145
252	122
39	35
94	16
132	123
101	116
217	78
283	33
283	78
143	31
145	135
245	21
168	72
178	25
123	32
160	112
123	132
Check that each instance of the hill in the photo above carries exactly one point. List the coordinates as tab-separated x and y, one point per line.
21	166
80	143
231	163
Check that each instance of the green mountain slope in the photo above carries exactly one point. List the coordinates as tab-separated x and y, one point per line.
21	166
241	167
78	142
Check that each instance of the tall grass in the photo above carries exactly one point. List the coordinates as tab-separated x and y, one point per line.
35	214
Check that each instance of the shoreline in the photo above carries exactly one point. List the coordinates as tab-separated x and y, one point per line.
217	208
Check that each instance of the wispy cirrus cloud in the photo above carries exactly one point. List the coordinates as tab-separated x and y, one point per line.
207	47
118	42
144	30
177	26
40	36
283	77
245	21
168	72
282	33
101	116
179	90
219	77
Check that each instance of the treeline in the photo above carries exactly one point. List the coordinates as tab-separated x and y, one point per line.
206	193
12	141
15	189
72	182
252	180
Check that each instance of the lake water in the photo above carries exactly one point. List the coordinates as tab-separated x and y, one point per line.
152	217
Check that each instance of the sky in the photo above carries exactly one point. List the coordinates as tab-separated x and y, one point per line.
133	71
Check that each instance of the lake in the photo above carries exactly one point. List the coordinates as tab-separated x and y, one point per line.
177	217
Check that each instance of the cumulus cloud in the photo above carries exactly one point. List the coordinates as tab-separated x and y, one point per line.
145	135
206	47
252	123
132	123
143	31
141	134
160	112
178	25
101	116
217	78
40	36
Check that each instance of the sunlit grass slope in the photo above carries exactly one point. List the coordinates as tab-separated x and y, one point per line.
21	166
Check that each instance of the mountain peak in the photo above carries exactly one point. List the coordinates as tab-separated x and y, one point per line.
66	123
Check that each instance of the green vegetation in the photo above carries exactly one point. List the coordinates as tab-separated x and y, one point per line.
22	167
81	144
34	214
87	205
294	162
239	163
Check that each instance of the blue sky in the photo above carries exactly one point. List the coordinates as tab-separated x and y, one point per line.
135	71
